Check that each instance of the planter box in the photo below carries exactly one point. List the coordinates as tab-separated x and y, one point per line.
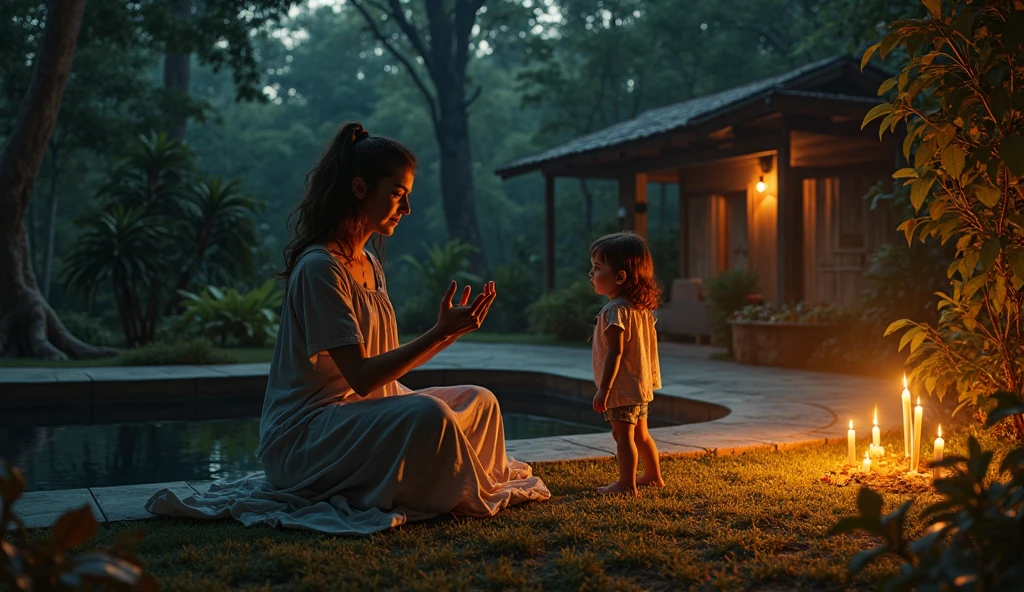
789	345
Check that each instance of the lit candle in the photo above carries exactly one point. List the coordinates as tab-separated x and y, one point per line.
851	445
875	434
907	435
915	450
867	463
940	446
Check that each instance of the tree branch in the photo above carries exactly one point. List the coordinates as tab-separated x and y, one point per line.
473	97
414	35
429	98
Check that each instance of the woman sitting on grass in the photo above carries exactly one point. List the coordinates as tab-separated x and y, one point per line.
346	448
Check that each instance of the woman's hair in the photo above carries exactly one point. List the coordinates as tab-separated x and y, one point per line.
625	251
329	207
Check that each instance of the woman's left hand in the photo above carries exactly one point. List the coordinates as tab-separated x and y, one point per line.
457	320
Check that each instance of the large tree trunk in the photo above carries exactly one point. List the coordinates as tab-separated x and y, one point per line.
457	186
28	326
51	219
178	75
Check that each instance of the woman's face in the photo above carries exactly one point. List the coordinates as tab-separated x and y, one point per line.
384	206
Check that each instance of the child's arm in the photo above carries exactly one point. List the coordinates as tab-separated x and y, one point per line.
613	339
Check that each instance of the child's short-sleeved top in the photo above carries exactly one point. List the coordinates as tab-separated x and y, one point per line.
639	369
324	307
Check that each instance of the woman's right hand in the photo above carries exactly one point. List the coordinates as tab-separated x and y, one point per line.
456	320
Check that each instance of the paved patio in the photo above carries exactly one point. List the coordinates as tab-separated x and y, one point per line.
768	407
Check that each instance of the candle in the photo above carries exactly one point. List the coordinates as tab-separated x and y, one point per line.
907	436
875	434
867	463
851	445
915	450
940	446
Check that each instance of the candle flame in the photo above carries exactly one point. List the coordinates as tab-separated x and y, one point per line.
940	431
919	401
876	414
904	380
867	455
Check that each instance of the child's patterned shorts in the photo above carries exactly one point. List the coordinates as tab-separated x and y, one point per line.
627	413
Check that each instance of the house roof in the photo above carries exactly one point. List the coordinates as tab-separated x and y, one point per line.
688	113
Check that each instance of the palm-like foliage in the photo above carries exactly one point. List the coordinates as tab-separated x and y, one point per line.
444	264
220	230
154	173
126	247
250	318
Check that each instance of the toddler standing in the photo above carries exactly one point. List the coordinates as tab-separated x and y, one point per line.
625	354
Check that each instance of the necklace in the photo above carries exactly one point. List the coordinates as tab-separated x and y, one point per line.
362	270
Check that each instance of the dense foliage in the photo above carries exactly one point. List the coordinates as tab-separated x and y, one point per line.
726	293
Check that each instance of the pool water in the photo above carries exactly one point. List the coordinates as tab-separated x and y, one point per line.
69	457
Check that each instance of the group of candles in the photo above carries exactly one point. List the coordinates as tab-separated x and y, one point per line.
911	438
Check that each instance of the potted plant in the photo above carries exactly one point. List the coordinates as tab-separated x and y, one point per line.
788	335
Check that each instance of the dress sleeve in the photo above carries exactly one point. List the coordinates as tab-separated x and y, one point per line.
618	316
322	302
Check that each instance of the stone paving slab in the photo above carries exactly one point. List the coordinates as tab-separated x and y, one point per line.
40	509
127	502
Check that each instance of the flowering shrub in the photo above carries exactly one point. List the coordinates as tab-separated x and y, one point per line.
801	312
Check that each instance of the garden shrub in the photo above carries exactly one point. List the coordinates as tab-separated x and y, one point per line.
88	328
190	352
248	319
726	293
568	314
441	265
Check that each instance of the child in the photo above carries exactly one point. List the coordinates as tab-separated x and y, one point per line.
626	368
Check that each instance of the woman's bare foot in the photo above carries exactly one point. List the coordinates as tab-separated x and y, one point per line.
619	489
643	481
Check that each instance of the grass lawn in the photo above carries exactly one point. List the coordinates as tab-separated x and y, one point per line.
756	521
246	355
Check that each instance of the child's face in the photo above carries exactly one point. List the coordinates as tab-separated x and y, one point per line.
605	280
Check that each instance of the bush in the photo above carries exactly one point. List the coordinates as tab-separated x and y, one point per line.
87	328
249	319
418	313
726	293
44	564
801	312
518	286
442	264
568	314
973	539
192	352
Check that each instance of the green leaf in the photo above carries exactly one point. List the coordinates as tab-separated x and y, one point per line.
998	294
1016	259
876	112
989	253
906	173
908	336
896	326
1011	150
919	191
887	86
987	195
864	558
953	160
945	135
925	153
972	286
934	8
867	55
74	528
888	43
870	504
917	341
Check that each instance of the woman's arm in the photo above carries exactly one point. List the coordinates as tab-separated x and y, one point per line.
365	374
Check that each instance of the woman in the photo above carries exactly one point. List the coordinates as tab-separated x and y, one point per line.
346	448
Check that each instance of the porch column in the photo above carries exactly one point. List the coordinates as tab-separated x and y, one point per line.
633	203
789	229
684	229
549	232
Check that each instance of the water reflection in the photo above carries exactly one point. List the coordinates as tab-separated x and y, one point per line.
155	452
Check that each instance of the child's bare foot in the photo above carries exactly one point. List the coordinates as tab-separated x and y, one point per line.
619	489
645	482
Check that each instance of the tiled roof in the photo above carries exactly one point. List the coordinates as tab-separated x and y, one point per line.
672	117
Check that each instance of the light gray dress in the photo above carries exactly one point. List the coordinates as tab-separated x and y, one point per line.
342	464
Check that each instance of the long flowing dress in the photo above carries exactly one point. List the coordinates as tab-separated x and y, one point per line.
342	464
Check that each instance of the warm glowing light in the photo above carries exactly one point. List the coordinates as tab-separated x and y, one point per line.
851	424
940	431
760	185
876	414
904	380
919	401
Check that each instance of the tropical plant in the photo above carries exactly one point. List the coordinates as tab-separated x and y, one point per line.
973	540
87	328
155	172
726	293
127	248
961	97
249	318
443	264
197	351
40	565
568	314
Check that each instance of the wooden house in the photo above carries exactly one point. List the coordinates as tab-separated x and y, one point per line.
771	177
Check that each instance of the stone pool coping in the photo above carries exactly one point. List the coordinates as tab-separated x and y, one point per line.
768	406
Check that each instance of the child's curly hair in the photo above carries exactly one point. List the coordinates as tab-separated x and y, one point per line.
628	252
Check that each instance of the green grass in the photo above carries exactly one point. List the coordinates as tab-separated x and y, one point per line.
756	521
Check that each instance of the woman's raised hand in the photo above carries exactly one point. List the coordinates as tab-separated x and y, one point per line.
455	320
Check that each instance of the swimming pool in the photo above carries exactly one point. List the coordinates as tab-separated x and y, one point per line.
67	457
